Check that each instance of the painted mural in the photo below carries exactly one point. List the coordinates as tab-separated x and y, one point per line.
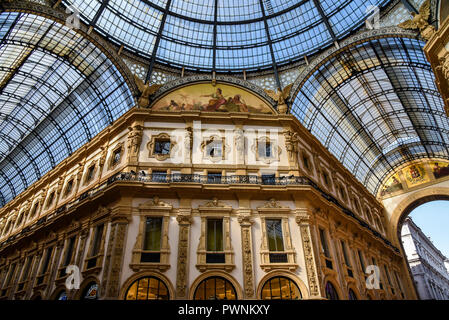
415	174
206	97
439	169
392	185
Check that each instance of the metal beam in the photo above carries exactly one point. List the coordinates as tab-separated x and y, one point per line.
325	20
100	10
156	43
270	45
214	50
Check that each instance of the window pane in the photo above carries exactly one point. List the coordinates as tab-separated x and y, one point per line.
214	235
153	234
132	292
142	289
274	234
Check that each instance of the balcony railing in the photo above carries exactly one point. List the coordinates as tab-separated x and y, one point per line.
200	179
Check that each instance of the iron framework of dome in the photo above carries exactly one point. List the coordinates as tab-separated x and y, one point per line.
57	91
375	106
224	35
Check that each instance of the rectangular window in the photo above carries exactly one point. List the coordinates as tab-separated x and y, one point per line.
274	234
90	173
213	177
26	269
214	235
10	275
214	148
96	246
264	149
305	160
34	210
162	146
345	253
326	178
362	262
152	240
69	252
69	187
398	280
159	176
50	199
325	249
268	179
116	156
45	264
275	241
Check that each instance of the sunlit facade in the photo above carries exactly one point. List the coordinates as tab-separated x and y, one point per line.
217	150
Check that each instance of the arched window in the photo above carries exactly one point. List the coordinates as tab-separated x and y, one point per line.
90	292
215	288
147	288
352	295
62	296
331	292
280	288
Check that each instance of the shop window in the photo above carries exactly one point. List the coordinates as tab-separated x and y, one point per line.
147	288
215	288
280	288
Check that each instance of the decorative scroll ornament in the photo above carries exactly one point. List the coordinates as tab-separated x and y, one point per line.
280	97
420	21
145	92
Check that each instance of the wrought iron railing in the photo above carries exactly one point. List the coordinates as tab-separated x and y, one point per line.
201	179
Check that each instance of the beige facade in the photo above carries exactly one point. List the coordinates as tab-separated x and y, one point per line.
93	211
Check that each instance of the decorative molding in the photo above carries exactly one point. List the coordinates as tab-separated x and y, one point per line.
152	143
184	221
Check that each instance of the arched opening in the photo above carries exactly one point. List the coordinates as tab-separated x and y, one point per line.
90	291
147	288
352	295
215	288
424	241
331	292
280	288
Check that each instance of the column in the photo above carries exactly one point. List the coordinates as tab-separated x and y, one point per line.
244	218
184	219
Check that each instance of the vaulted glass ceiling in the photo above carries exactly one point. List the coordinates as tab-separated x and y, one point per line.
224	35
375	106
57	91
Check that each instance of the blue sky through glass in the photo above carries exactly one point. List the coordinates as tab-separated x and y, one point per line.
433	219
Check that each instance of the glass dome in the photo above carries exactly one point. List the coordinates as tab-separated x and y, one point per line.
224	35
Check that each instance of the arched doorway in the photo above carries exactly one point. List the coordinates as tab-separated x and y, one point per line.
425	242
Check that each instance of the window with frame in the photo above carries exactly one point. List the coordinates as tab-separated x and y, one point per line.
51	197
342	192
116	156
159	176
325	248
96	247
44	266
275	241
151	248
380	277
362	263
264	149
34	209
280	288
326	178
69	187
268	179
215	288
398	280
214	177
331	292
346	258
90	173
214	244
25	273
147	288
70	248
389	279
9	277
162	146
214	148
306	161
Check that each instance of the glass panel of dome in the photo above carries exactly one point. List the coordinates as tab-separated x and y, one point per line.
189	32
235	35
185	55
237	10
203	10
275	6
250	58
87	9
133	27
